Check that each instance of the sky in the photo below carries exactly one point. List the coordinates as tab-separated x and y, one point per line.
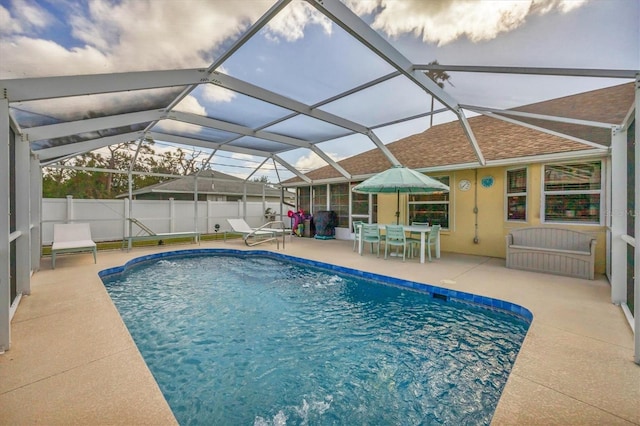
302	55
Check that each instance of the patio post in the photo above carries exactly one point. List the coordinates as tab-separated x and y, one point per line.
615	220
5	247
23	216
636	279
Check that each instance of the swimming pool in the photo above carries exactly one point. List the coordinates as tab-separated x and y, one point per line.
237	337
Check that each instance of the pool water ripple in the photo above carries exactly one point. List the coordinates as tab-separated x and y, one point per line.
241	341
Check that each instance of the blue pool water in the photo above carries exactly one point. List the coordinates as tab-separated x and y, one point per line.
258	340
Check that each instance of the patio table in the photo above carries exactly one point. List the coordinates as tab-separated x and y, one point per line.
422	229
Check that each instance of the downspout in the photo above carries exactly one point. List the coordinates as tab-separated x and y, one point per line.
476	240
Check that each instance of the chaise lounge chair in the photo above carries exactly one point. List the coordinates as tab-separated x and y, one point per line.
240	226
72	238
150	235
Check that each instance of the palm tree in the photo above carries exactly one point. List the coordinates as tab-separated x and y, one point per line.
439	77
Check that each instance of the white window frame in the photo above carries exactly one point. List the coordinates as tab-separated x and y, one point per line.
508	194
447	203
601	192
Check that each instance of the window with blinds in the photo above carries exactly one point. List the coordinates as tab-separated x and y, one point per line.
319	198
339	198
516	195
432	207
304	199
573	192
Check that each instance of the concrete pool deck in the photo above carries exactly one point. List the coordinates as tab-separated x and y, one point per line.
72	360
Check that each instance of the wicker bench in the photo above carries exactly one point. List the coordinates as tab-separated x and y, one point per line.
552	250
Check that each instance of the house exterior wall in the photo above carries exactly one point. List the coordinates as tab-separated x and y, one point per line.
492	223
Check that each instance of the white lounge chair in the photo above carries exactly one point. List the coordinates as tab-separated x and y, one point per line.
151	235
240	226
72	238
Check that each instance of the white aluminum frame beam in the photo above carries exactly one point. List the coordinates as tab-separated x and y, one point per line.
563	72
246	131
257	92
544	130
256	170
340	14
32	89
79	148
338	97
213	123
183	140
291	168
69	128
554	118
257	26
65	86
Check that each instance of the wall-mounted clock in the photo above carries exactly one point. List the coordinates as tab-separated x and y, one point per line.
487	181
464	185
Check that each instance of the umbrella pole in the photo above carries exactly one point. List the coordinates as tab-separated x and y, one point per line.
398	208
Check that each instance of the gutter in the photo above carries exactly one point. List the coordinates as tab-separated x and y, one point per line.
532	159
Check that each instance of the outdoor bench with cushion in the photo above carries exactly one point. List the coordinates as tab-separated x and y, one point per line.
552	250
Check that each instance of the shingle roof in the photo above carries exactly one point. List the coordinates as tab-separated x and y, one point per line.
609	105
223	184
447	145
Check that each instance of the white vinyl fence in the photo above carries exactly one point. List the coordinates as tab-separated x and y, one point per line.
108	218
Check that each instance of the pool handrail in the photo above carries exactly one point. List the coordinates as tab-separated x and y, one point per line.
267	227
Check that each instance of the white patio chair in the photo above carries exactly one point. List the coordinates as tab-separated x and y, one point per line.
72	238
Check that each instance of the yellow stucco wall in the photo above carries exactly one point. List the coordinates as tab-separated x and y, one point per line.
492	224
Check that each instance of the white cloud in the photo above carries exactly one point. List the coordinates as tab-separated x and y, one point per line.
311	161
29	15
174	126
243	157
443	21
132	35
29	57
136	35
8	25
150	35
291	22
191	104
213	93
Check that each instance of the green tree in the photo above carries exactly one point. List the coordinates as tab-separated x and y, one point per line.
439	77
60	182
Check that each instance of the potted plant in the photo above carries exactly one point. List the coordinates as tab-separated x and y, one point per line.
270	214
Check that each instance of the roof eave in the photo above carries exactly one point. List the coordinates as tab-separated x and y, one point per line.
530	159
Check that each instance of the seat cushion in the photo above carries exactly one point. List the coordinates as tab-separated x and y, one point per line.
73	244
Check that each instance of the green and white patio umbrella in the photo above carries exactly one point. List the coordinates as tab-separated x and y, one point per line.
400	179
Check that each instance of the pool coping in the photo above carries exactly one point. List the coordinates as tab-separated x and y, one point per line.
435	291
